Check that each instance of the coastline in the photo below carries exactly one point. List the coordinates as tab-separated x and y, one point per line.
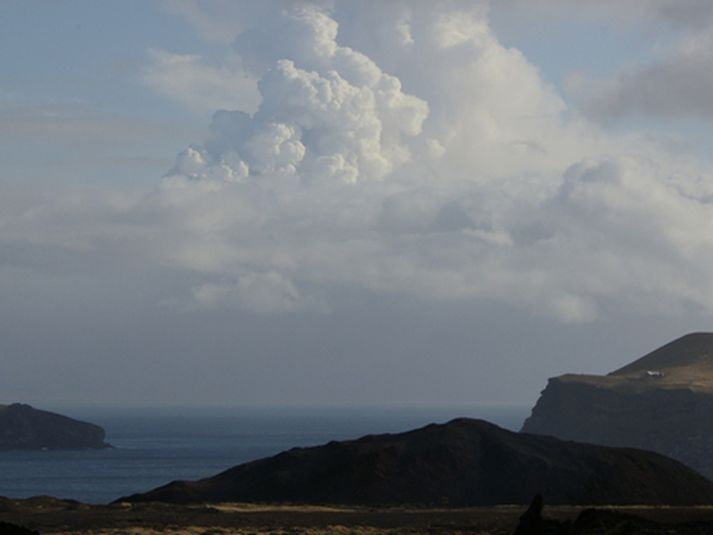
156	445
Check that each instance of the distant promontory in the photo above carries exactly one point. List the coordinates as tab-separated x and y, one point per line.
661	402
23	427
464	462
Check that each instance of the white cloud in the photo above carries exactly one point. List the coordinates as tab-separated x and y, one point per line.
261	293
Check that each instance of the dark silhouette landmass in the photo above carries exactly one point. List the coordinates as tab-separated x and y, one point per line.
462	463
662	402
25	428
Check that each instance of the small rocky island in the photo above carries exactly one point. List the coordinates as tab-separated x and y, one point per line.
23	427
462	463
661	402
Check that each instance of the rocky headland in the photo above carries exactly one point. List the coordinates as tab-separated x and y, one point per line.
462	463
661	402
23	427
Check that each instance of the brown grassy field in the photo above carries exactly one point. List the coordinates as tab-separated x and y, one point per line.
48	515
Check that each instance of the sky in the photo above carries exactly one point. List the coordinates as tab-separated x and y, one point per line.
344	203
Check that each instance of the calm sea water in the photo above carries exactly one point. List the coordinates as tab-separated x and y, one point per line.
153	447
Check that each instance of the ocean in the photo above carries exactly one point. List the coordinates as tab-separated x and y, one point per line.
155	446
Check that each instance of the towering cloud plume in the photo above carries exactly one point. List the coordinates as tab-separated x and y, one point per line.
327	111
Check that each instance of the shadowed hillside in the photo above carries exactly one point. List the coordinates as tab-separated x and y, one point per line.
463	462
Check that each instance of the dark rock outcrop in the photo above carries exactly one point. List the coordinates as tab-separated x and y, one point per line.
604	522
12	529
533	523
662	402
25	428
461	463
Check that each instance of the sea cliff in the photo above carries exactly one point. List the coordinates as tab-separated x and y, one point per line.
662	402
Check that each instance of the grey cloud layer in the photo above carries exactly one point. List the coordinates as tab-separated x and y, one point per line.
679	85
676	83
686	13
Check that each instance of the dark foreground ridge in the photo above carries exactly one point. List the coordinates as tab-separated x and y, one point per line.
661	402
462	463
25	428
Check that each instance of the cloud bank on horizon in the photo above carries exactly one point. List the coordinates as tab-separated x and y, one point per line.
402	148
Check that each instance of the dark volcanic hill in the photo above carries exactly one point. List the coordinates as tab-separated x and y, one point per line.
464	462
662	402
25	428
